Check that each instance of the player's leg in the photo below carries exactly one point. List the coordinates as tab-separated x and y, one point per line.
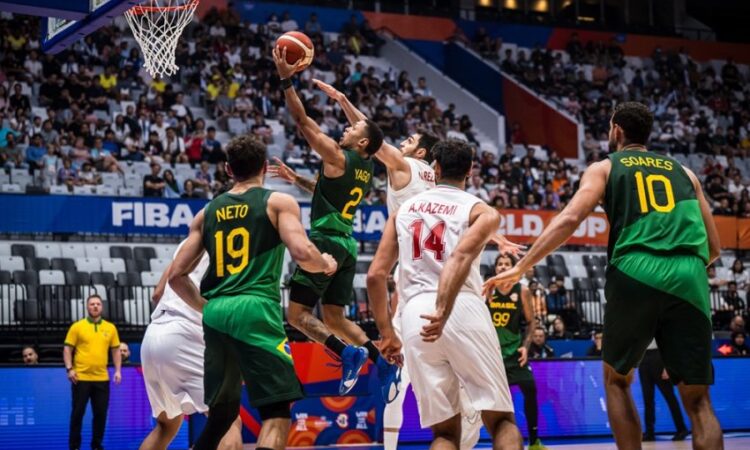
393	414
222	384
336	300
99	407
630	321
503	430
707	432
233	439
163	433
684	339
446	435
530	408
471	422
265	359
623	416
470	341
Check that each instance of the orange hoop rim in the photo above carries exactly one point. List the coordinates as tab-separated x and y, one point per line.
140	9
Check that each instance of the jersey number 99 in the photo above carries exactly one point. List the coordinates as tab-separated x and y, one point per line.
241	252
500	319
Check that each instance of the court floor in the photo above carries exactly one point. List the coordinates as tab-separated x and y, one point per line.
731	442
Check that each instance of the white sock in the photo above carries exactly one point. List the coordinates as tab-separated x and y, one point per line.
390	440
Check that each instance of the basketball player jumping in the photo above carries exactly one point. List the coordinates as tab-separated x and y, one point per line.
345	178
172	362
662	236
437	237
244	231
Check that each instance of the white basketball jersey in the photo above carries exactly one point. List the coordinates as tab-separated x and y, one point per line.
429	227
171	302
422	179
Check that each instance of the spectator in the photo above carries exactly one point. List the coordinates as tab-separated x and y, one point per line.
88	175
211	148
538	349
30	356
595	350
732	301
739	275
558	330
153	184
171	187
652	373
35	153
737	324
188	190
124	353
476	187
288	24
67	175
91	338
714	282
313	27
202	178
739	348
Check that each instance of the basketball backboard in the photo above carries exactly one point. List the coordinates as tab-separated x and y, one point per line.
67	21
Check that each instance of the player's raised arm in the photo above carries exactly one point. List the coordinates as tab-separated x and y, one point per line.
389	155
184	263
285	213
714	243
484	221
562	226
328	149
377	288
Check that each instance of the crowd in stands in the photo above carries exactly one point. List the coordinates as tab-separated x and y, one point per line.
700	109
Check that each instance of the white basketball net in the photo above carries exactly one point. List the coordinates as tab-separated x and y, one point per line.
157	26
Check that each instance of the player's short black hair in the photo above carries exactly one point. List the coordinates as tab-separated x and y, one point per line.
246	155
636	121
375	137
454	157
427	140
511	257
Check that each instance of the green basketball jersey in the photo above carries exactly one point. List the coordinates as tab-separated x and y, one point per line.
335	200
506	311
245	249
654	213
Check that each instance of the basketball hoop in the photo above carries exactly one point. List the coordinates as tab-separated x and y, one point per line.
157	26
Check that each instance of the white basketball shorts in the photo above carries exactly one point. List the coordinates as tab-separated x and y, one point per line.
467	354
172	361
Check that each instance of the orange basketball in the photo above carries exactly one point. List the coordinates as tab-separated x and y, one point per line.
298	46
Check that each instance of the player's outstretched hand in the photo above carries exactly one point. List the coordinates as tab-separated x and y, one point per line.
507	278
285	69
281	170
506	246
329	90
390	347
433	330
332	266
524	358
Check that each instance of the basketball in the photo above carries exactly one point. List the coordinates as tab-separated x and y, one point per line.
298	46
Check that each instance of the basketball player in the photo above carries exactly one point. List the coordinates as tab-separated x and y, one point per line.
244	232
506	307
436	237
662	236
346	176
172	362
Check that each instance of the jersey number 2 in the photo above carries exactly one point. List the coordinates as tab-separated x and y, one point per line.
357	193
242	252
433	242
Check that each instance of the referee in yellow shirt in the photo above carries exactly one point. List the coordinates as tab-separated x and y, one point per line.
91	339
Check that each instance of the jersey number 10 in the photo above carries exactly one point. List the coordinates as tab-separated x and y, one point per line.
242	252
648	188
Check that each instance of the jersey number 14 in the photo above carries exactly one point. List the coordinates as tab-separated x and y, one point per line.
433	242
